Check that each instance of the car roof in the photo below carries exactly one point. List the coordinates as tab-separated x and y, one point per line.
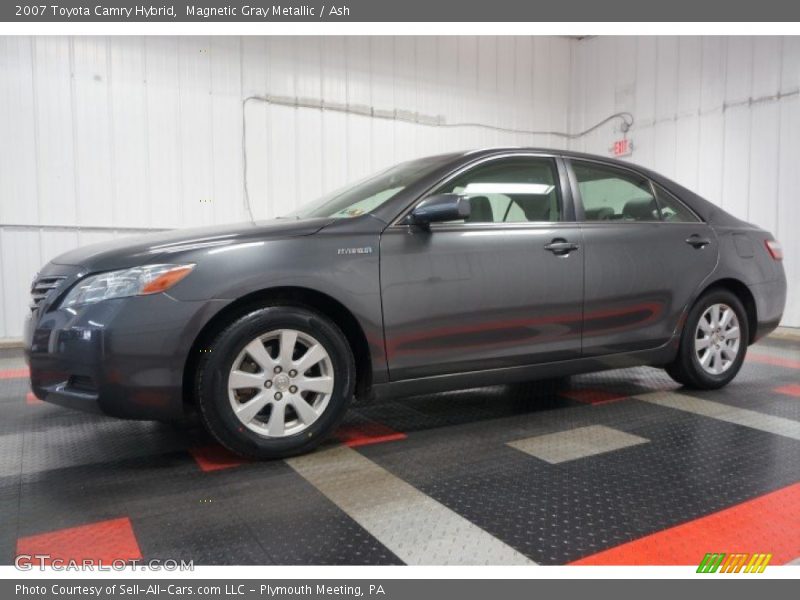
555	151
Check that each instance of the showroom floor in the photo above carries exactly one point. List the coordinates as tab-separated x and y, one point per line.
621	467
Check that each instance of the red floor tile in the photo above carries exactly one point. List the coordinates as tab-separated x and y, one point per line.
215	458
367	433
15	373
105	541
767	524
793	389
591	396
766	359
31	399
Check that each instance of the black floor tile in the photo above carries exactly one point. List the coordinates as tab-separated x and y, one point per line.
691	467
61	469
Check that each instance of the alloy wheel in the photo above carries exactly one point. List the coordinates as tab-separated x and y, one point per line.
280	383
717	340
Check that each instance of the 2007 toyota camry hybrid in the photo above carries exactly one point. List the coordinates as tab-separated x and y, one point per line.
441	273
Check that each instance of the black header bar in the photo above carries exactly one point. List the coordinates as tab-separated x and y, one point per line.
260	11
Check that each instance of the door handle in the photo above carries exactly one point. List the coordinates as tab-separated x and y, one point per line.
697	241
561	247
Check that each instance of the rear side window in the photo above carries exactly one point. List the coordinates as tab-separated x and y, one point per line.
610	194
515	190
673	209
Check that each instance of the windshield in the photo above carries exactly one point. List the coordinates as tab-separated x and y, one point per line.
366	195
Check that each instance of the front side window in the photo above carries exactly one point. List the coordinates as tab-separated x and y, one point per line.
517	190
610	194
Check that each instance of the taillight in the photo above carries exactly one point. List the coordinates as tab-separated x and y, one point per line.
774	248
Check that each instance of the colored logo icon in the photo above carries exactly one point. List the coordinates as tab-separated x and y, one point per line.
714	562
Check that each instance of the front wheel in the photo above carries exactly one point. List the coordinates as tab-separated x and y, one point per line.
714	342
276	382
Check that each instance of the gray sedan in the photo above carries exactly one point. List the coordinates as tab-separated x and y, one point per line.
442	273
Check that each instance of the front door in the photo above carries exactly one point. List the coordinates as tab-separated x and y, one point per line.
502	288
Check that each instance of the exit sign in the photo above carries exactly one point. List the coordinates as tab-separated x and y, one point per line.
623	147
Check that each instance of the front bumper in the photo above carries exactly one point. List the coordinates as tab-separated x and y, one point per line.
123	357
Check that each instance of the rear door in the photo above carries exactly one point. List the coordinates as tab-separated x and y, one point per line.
486	292
645	256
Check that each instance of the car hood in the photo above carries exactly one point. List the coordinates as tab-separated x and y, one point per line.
157	247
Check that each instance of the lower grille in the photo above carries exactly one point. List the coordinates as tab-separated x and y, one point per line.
82	383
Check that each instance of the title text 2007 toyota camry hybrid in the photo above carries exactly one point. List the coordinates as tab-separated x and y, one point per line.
447	272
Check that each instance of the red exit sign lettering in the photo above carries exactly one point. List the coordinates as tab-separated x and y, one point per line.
622	147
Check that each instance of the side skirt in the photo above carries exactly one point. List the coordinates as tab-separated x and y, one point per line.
456	381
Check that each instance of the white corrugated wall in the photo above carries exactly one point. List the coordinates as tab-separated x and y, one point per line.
102	136
720	115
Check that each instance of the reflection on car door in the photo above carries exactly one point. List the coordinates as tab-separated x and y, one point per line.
485	293
640	270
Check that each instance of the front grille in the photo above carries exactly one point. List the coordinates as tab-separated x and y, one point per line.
41	287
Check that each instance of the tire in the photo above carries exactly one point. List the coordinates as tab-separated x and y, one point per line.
288	395
696	343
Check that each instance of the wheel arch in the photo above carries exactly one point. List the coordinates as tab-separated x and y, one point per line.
291	296
745	296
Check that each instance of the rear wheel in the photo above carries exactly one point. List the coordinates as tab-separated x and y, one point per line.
714	342
276	382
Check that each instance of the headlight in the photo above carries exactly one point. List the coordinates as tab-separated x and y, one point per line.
149	279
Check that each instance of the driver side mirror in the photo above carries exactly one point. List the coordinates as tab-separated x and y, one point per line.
438	208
